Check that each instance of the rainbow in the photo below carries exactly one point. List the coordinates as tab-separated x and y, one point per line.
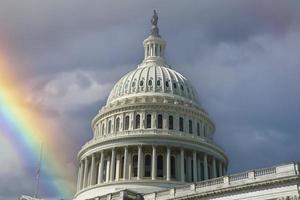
26	130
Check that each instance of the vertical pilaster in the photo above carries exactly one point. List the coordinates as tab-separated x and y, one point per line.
85	173
220	169
168	163
118	167
80	172
100	170
205	167
194	166
139	170
113	161
93	170
214	168
182	165
153	171
125	165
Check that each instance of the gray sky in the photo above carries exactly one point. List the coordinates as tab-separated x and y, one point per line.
241	56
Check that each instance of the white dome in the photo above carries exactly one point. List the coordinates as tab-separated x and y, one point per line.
152	79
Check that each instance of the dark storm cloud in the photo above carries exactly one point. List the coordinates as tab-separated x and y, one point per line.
241	56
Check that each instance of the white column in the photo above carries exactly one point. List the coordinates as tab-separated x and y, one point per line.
79	180
205	167
198	170
125	164
220	169
188	168
154	173
129	166
113	160
85	173
107	169
194	166
100	169
93	170
118	167
139	170
214	168
168	163
182	165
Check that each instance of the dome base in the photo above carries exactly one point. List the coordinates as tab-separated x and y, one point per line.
141	187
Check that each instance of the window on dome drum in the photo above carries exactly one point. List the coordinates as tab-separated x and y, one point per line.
202	171
148	125
181	87
156	50
198	129
141	83
137	121
173	170
204	130
109	126
158	82
148	165
170	122
133	84
190	126
174	85
96	172
159	121
188	90
167	83
126	123
160	49
185	172
150	82
102	129
118	124
135	165
180	124
160	166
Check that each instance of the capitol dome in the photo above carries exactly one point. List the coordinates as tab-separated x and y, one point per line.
151	135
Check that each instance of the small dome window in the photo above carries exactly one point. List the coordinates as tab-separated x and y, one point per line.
141	83
167	83
188	90
133	84
150	82
158	82
181	87
174	85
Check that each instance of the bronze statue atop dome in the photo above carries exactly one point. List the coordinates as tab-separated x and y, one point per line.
154	19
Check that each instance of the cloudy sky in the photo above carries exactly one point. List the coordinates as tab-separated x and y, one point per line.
243	58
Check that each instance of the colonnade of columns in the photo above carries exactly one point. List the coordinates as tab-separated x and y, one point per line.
148	162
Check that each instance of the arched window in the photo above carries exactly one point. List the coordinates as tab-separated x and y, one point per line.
109	126
171	122
174	85
126	122
135	165
160	166
198	129
190	126
147	165
167	83
148	121
159	121
150	82
180	124
158	82
102	129
137	121
118	124
141	83
173	170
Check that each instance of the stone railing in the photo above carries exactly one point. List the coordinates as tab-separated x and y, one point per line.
239	179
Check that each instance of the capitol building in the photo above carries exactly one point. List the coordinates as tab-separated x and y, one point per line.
153	140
